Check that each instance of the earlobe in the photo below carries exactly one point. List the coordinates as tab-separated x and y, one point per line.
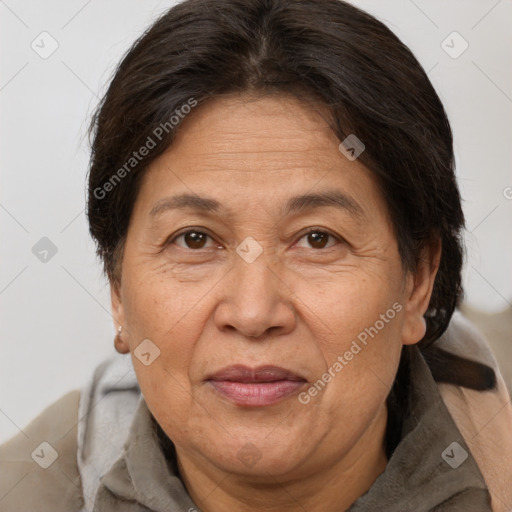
414	327
418	290
120	342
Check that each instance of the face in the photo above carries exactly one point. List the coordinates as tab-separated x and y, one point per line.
261	265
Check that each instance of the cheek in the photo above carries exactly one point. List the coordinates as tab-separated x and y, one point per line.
169	314
347	305
156	307
360	372
360	335
160	312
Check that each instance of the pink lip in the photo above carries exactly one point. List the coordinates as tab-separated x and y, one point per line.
256	387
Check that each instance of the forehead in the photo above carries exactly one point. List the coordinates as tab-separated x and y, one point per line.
264	149
258	127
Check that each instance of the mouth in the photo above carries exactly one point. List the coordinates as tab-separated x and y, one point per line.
256	387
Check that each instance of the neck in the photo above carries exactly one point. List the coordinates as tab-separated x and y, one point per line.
328	489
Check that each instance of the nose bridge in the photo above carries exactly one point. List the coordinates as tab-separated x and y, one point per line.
255	281
255	300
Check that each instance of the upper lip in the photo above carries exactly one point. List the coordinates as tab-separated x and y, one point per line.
242	373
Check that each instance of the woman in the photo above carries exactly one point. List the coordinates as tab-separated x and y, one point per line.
273	196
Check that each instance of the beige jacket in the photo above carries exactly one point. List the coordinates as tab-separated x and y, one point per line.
484	419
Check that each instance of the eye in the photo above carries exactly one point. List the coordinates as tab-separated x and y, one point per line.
191	239
318	239
195	239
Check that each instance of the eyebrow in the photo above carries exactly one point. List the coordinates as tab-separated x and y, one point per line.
296	204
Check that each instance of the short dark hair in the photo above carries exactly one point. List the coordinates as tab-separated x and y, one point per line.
326	50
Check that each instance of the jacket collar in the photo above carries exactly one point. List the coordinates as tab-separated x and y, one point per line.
431	465
142	474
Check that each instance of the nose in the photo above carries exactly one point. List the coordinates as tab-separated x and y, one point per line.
255	301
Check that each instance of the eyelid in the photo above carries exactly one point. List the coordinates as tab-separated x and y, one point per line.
323	231
189	229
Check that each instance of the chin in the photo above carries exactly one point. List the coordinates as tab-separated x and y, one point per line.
261	458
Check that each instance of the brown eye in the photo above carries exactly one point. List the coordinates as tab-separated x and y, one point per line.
318	239
195	240
192	240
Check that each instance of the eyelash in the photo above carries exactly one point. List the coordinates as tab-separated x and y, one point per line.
320	231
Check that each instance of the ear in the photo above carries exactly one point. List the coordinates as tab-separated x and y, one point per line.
418	290
120	341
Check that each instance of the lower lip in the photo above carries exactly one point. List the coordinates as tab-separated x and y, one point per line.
256	394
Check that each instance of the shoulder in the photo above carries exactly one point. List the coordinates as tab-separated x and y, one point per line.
484	418
39	464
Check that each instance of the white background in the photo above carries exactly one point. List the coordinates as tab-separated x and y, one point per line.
55	322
